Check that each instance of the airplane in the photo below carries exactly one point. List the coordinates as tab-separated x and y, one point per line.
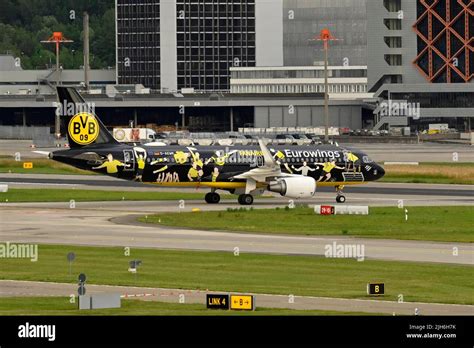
246	171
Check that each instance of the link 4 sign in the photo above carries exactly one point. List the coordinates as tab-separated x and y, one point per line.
217	301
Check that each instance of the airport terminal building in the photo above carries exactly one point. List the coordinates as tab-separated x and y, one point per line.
239	63
175	44
203	45
175	53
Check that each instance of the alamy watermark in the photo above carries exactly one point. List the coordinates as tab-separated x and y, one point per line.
394	108
19	251
70	109
347	251
28	330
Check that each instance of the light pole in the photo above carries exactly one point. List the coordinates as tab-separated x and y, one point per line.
326	92
86	50
325	36
57	39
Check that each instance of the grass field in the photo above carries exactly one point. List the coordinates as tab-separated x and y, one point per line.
40	166
62	306
454	224
431	173
65	195
256	273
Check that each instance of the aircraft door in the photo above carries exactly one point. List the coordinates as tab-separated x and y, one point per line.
129	160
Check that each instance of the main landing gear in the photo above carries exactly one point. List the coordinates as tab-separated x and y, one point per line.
246	199
212	198
340	198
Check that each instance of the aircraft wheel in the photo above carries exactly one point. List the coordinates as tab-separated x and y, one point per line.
212	198
245	199
341	199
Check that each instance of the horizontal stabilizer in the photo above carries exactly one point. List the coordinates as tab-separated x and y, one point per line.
45	153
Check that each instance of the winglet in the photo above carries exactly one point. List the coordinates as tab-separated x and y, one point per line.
267	156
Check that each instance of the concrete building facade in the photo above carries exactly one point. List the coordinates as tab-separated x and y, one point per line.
304	19
345	82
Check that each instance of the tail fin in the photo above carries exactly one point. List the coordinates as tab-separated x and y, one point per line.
83	127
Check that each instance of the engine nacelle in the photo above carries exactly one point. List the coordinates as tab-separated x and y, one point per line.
294	187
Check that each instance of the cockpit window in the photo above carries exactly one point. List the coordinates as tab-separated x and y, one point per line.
367	159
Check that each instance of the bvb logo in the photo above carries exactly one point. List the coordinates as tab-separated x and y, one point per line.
83	128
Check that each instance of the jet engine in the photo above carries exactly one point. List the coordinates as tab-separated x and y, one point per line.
294	187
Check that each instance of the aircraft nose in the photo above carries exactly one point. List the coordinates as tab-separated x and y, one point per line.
380	172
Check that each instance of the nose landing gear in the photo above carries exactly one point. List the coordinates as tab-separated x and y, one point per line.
340	198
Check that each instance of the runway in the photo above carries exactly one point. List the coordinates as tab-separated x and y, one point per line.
110	183
114	224
10	288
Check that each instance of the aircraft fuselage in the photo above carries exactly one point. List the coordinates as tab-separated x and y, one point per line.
217	166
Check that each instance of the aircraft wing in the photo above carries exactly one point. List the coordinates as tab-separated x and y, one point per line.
270	169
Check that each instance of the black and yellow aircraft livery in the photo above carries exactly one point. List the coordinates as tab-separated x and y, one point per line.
292	171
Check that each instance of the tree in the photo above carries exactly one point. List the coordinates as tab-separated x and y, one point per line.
24	23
